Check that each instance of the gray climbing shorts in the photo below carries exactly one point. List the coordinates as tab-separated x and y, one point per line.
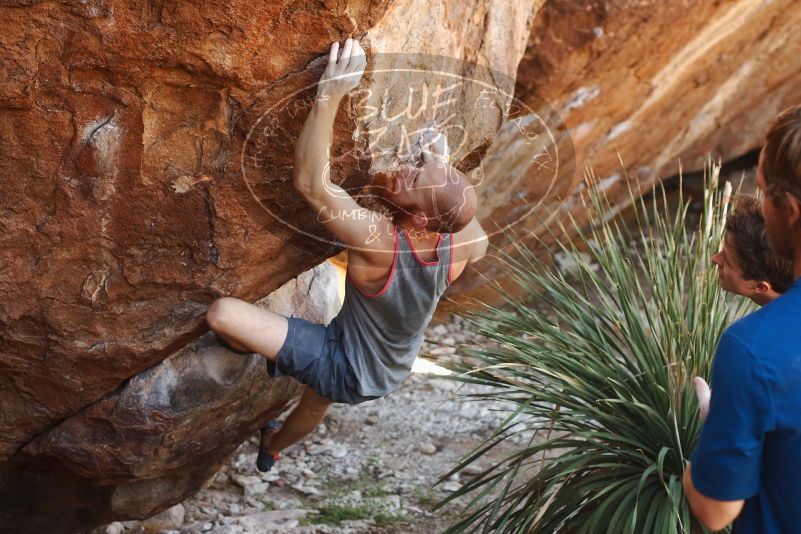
313	354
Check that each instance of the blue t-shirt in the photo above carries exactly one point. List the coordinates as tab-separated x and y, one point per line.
750	444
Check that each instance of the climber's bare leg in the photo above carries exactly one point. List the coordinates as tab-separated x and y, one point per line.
246	327
304	418
232	344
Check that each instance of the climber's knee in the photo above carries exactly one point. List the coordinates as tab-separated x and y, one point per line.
247	327
219	313
219	317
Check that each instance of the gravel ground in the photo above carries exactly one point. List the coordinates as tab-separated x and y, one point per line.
369	468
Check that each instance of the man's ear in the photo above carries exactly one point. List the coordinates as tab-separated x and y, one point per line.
420	219
763	286
793	207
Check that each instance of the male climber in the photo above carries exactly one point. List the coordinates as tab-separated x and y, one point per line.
399	264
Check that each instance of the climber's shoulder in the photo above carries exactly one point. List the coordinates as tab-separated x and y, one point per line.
469	245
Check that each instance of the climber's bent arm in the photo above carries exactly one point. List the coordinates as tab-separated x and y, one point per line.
363	231
357	227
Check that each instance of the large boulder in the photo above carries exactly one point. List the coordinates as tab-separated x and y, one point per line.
640	89
156	439
146	152
146	155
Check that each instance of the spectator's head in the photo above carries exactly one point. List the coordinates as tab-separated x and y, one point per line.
435	197
779	177
747	264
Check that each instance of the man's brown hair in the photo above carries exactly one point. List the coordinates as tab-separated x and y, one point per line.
781	164
746	228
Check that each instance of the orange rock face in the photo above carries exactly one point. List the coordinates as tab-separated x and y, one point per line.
142	179
653	84
145	170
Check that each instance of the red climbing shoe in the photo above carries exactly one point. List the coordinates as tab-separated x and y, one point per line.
265	461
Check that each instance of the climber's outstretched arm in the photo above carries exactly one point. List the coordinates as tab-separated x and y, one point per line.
357	227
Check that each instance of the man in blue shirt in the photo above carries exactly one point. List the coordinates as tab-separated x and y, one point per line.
747	464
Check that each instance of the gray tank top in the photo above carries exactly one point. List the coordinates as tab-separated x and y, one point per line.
382	333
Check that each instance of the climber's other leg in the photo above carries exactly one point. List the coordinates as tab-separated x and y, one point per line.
246	327
309	412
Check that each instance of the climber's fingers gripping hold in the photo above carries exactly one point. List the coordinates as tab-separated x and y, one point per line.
358	61
434	146
343	72
333	54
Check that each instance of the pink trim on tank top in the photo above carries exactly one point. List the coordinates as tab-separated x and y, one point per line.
436	249
450	259
389	279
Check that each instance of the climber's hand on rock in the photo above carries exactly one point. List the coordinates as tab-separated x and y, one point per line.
434	146
343	72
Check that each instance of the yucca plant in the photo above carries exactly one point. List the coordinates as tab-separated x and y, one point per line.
598	364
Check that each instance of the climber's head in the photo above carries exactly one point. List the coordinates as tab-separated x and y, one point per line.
434	197
747	264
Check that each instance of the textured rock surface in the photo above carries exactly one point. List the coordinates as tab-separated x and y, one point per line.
145	152
139	173
312	295
656	82
158	438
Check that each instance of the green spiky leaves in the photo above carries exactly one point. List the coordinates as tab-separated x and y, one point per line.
602	378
